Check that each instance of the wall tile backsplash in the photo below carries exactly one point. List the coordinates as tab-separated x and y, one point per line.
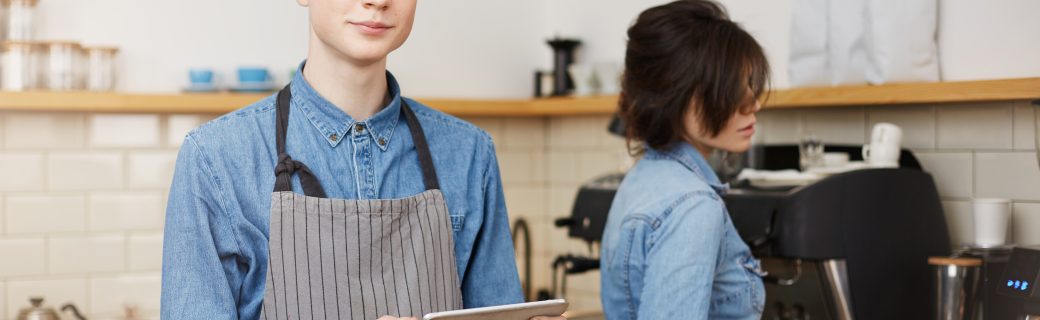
82	195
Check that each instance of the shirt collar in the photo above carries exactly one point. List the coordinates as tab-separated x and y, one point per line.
334	124
689	157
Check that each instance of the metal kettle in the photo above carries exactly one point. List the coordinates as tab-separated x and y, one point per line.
39	312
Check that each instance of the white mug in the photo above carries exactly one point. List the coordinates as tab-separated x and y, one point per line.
991	218
884	148
885	133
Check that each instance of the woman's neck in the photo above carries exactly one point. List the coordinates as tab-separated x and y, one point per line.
358	88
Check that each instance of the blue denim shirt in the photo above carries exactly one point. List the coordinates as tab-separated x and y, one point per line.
670	250
216	232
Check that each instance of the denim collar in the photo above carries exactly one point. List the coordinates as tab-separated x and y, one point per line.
689	157
334	124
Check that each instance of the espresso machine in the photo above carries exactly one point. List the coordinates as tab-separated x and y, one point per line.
1016	288
853	245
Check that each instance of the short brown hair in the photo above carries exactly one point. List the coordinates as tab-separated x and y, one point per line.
682	52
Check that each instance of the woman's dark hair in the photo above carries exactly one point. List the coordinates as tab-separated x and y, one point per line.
682	52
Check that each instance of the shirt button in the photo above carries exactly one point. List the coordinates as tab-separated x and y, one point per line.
334	137
360	128
382	141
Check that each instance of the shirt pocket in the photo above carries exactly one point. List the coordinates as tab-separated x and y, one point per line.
757	294
457	222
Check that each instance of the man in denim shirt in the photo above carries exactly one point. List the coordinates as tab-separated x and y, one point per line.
347	125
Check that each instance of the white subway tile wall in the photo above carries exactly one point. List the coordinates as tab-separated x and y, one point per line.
84	171
150	169
82	201
23	257
917	122
96	253
3	302
1013	175
21	172
110	295
951	171
56	291
1025	124
145	252
45	214
126	211
985	126
1025	222
120	130
43	131
834	126
178	126
81	189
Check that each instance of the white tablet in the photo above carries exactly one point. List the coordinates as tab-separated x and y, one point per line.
519	311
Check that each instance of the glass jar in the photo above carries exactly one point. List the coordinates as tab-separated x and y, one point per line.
63	66
21	66
20	24
101	68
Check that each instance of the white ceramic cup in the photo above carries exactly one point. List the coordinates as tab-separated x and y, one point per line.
991	218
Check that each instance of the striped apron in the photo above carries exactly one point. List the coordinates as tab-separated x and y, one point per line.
357	259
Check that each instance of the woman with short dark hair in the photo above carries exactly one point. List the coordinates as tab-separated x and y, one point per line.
692	84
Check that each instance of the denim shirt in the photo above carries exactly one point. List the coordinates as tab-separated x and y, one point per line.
216	232
670	250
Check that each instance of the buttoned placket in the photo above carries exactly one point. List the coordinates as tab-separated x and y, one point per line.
362	143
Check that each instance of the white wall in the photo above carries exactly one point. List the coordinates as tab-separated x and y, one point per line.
602	26
989	39
480	49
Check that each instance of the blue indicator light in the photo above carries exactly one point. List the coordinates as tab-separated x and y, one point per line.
1018	284
1011	283
1025	285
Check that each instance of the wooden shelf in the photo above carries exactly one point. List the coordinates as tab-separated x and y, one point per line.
893	94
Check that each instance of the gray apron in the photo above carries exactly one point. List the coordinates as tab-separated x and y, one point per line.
357	259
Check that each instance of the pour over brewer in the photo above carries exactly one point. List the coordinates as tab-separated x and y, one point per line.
563	56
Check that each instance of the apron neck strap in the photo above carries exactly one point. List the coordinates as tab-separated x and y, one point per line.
429	173
286	166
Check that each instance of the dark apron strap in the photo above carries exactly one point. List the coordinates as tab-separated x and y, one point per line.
286	166
429	173
311	187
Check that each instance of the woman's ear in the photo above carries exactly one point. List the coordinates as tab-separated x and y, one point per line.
303	3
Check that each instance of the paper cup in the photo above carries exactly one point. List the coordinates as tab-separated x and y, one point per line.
991	218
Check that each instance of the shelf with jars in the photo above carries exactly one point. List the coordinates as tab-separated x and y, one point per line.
892	94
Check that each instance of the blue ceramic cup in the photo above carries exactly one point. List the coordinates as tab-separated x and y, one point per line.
201	76
253	75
